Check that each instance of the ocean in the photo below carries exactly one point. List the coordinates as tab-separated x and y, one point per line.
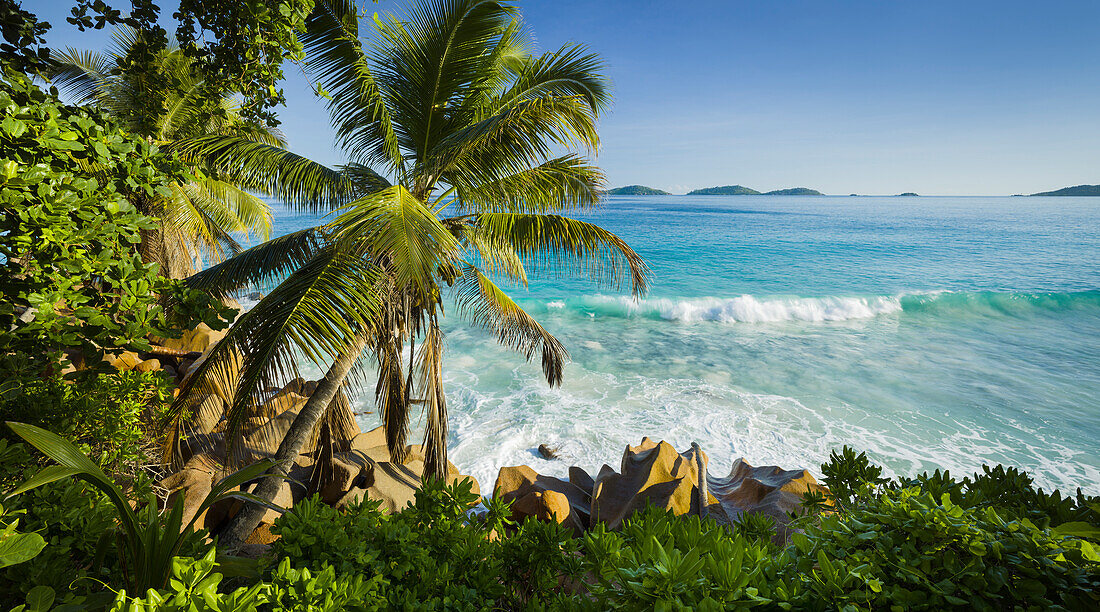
930	332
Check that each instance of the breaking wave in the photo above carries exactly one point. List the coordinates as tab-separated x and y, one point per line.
755	309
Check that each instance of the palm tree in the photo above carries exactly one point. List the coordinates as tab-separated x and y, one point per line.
466	127
171	104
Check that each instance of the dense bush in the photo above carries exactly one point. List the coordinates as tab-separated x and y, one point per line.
112	416
72	279
907	548
433	555
888	547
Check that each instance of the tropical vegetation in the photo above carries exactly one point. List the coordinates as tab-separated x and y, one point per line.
989	542
466	151
462	122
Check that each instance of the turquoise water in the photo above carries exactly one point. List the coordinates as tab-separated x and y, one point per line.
932	332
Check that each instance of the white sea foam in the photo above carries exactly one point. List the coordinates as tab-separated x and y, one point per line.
745	308
595	415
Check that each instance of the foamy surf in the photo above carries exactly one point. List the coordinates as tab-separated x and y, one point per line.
741	309
777	309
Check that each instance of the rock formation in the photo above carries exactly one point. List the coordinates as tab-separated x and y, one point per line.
654	473
767	489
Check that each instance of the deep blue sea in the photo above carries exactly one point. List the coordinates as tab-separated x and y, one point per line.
932	332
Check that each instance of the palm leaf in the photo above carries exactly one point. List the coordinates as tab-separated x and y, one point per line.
563	183
554	242
267	169
486	305
316	312
273	260
400	232
80	75
359	113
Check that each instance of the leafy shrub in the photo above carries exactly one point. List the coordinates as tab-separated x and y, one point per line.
71	275
1010	491
111	416
194	586
433	555
905	548
660	561
147	539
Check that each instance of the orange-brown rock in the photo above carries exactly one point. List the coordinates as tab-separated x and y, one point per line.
262	535
192	484
148	365
381	478
125	361
195	340
767	489
529	492
652	474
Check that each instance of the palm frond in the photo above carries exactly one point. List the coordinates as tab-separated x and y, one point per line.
434	402
272	260
563	183
497	258
396	229
316	313
267	169
359	112
253	215
431	59
81	75
486	305
554	242
571	71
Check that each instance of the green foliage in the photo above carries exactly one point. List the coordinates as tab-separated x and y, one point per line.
432	555
847	474
23	48
238	45
148	538
15	546
111	416
71	276
906	548
75	521
194	586
660	561
1008	490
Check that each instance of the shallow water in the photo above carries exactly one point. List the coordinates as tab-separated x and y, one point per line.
933	332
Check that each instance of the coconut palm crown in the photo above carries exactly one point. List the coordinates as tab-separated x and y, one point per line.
473	139
170	104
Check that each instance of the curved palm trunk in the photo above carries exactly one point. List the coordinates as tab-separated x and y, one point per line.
295	440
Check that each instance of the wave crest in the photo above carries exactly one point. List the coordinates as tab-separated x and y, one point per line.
753	309
741	309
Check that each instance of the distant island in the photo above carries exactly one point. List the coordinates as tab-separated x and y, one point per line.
794	191
907	194
742	190
1079	190
727	190
636	190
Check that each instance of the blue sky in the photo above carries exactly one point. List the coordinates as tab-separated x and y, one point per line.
873	97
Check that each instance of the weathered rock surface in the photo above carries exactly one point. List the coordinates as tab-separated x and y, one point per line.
193	483
651	473
381	478
580	479
543	497
767	489
125	361
194	340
